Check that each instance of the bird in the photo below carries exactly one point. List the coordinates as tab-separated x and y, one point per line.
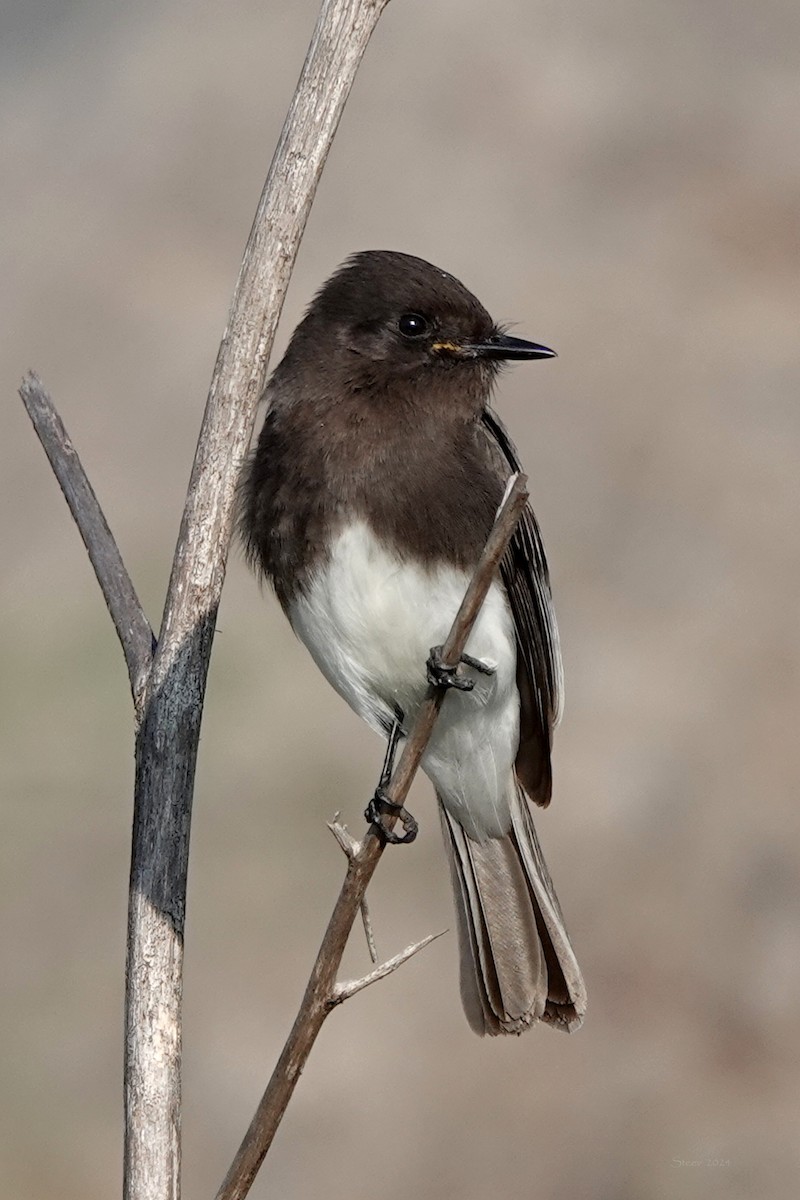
366	503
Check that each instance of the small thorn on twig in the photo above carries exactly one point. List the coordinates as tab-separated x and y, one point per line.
343	991
343	836
351	848
368	934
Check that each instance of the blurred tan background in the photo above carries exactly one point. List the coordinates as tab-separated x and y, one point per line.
623	181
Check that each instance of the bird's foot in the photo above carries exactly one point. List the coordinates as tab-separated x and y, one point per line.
478	664
442	675
379	806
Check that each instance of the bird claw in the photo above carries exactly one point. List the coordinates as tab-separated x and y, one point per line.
379	806
478	664
440	674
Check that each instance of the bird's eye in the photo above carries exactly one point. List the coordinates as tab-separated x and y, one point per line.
413	325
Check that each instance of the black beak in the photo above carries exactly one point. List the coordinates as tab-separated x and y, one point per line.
501	346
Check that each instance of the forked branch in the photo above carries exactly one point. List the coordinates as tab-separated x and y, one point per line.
169	681
132	626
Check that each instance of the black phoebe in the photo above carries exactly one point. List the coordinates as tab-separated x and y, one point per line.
367	502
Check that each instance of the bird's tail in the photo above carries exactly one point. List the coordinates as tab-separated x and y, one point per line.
517	964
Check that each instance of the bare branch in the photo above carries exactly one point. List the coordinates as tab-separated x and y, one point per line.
169	681
351	847
168	739
343	991
320	991
132	626
344	837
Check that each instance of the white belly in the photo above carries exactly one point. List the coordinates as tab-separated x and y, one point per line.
369	620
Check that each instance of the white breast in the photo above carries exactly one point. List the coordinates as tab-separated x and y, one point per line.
369	620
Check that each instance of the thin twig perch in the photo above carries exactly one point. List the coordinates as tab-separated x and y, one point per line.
321	992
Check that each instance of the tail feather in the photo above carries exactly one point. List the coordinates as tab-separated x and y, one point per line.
480	989
517	964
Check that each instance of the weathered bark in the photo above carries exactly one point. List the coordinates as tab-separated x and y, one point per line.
168	682
166	750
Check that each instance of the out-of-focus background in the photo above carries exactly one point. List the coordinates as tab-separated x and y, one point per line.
622	180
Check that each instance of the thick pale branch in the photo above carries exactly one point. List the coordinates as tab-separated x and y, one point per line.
169	682
321	989
131	624
168	739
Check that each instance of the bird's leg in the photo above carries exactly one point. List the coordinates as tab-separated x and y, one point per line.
442	675
395	733
380	804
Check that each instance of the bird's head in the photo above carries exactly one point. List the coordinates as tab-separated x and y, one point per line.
386	316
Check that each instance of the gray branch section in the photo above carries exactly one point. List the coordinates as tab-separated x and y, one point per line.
169	683
126	612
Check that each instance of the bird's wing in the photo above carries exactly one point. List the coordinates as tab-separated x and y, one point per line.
539	675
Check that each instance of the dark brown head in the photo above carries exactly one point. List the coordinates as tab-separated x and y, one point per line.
386	316
376	409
